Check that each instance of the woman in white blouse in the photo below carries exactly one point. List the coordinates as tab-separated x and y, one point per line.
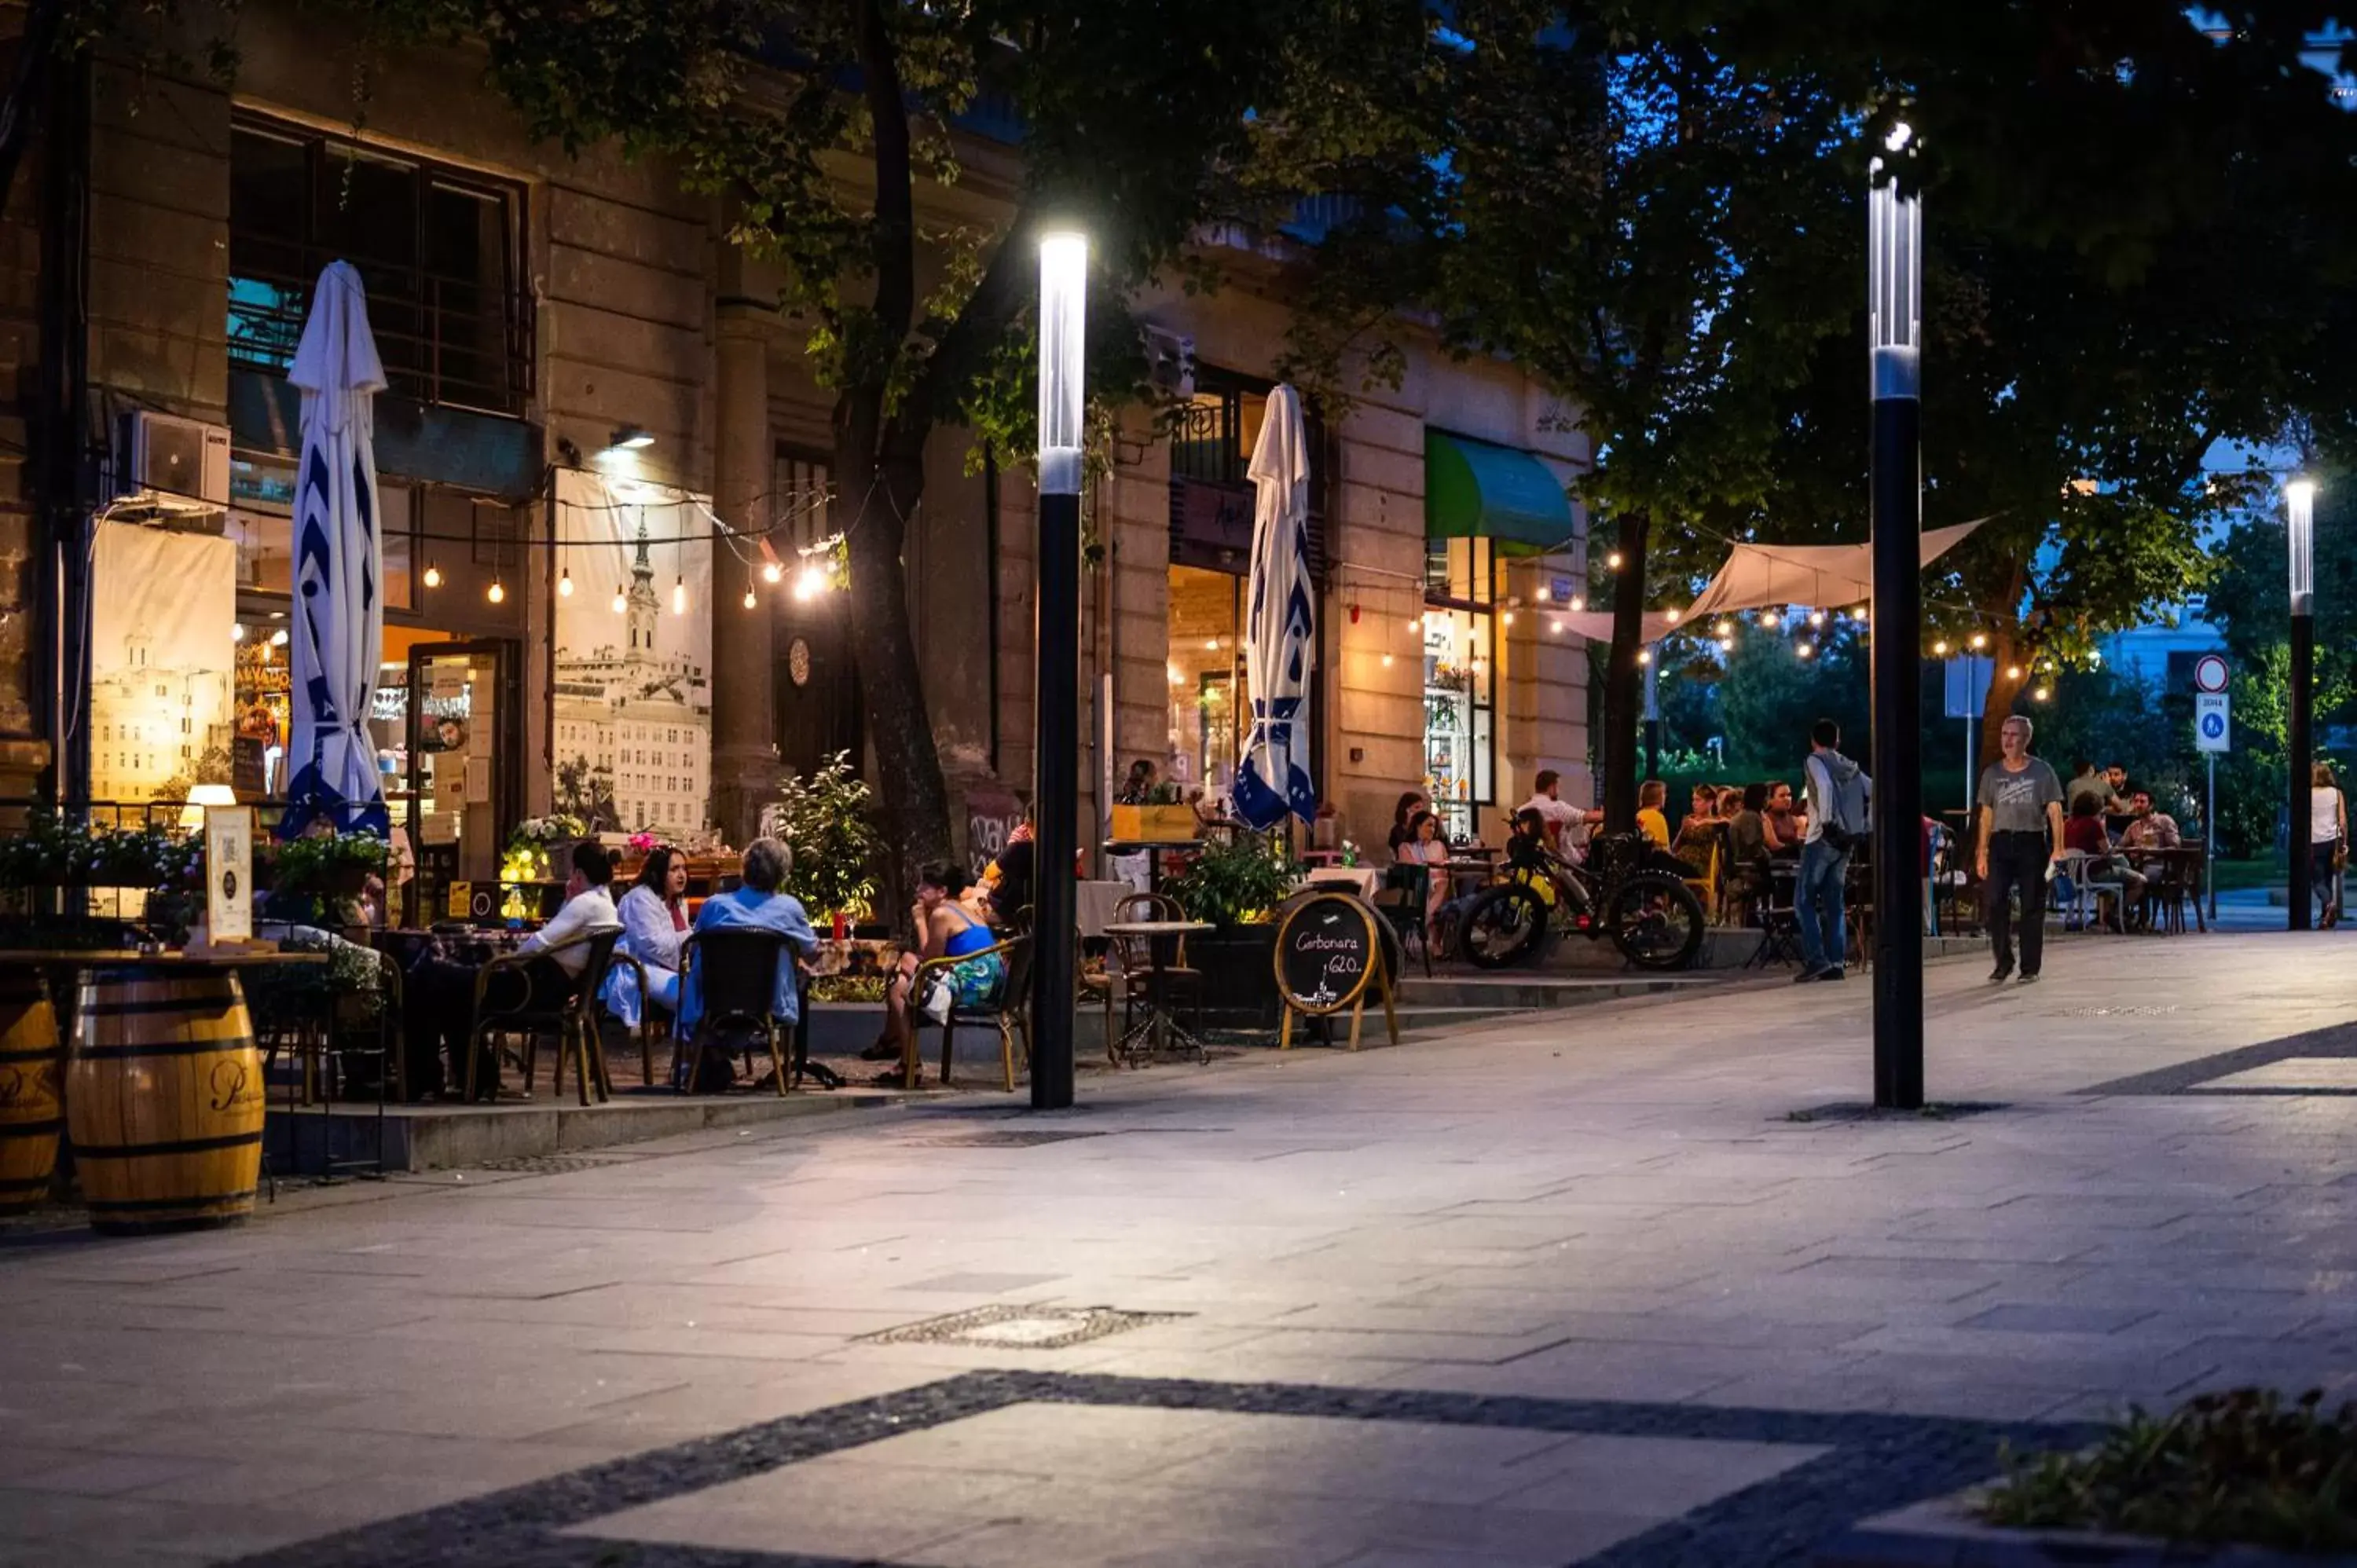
654	922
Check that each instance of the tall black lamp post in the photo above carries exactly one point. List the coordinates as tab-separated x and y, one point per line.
1895	315
2300	520
1056	765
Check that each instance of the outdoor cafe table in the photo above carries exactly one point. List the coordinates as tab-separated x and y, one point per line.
1161	938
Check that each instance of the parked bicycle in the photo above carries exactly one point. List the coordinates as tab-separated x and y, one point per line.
1646	910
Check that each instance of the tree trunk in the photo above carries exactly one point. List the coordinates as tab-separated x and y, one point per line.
1622	684
36	63
2005	653
874	494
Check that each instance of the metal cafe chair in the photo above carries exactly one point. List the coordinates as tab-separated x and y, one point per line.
568	1015
1005	1012
737	972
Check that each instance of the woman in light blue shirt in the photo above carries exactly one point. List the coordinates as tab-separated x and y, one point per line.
654	922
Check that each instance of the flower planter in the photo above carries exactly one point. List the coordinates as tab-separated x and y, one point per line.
1944	1533
1238	966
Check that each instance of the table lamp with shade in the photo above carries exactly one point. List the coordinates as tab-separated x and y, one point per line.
192	814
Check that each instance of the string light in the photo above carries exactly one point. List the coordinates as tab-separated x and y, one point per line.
812	582
1578	602
1508	618
1980	639
1727	645
432	575
1211	645
620	603
496	593
1816	617
564	583
2013	672
1804	650
1556	627
773	571
1613	561
1673	617
1770	620
1725	627
1645	656
749	601
1545	593
1940	649
1416	623
2040	694
1859	615
679	595
1387	660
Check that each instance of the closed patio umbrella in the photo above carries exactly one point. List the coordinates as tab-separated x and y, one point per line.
337	625
1281	627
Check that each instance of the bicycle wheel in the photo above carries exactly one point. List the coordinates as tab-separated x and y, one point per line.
1655	920
1502	926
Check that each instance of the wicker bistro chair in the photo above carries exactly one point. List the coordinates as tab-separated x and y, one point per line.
570	1016
739	981
1137	953
1702	857
1007	1012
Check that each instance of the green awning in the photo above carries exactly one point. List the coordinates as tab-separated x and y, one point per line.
1473	490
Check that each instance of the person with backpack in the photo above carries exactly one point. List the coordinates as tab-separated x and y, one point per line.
1839	790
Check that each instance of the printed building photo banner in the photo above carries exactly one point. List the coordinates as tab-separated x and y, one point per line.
632	710
162	658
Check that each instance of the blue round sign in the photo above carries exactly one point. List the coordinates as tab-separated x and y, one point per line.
2214	726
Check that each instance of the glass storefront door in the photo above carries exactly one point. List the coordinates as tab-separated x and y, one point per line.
455	730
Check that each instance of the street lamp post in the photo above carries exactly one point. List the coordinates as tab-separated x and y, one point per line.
2299	519
1895	312
1063	315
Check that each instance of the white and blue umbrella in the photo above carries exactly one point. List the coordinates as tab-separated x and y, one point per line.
338	629
1281	629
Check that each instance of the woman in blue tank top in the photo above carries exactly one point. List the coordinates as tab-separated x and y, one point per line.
947	930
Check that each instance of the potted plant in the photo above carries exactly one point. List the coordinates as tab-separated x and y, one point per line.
1236	885
328	869
828	819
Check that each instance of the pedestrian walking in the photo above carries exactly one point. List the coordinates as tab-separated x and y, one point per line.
1838	792
2021	805
2328	840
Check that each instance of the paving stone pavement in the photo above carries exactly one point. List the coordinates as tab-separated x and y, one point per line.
1623	1286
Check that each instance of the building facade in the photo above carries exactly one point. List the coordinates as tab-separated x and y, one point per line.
541	315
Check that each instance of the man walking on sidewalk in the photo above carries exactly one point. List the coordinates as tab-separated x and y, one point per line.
2020	835
1838	789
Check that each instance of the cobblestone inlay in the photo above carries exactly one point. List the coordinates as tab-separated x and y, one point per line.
1876	1463
1011	1326
1860	1111
2189	1078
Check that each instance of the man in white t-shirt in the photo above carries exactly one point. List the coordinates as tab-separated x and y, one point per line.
1566	824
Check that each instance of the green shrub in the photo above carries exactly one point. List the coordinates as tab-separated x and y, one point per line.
2242	1467
1225	882
828	820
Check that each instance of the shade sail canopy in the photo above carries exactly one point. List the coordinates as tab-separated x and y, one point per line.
1773	576
1473	490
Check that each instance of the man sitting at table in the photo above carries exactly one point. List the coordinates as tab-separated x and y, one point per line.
1566	823
757	904
2149	829
438	993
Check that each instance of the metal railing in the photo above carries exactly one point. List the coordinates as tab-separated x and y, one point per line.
449	341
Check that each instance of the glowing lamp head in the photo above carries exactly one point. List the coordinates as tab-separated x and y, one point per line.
772	572
497	592
621	600
564	583
679	595
1063	331
432	575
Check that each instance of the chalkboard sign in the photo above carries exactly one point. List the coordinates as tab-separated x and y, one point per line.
1327	951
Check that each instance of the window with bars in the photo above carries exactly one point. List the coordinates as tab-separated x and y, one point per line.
439	250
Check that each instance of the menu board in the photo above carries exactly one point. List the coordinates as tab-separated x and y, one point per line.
229	874
1327	951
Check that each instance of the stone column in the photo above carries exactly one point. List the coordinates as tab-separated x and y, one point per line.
743	739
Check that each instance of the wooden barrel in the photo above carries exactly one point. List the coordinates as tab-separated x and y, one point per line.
30	1114
165	1099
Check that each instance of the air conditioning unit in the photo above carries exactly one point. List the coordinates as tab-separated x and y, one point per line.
171	464
1170	361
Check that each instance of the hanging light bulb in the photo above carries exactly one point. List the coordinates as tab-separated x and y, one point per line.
2040	694
1980	639
1613	561
749	601
1211	645
620	602
1578	602
1416	623
1545	593
1939	648
1508	618
432	575
1859	615
1816	617
496	593
772	572
1673	617
1387	660
1803	649
564	583
1725	627
1556	627
1770	620
1727	645
1645	656
810	584
679	595
2013	672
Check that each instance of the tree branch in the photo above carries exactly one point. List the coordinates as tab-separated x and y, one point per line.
894	241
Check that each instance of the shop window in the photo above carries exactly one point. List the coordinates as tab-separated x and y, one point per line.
261	519
1211	707
439	249
1211	438
1460	682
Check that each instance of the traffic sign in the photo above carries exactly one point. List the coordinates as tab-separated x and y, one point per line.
2212	728
2210	672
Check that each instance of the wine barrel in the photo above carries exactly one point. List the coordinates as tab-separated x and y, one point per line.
30	1115
164	1100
